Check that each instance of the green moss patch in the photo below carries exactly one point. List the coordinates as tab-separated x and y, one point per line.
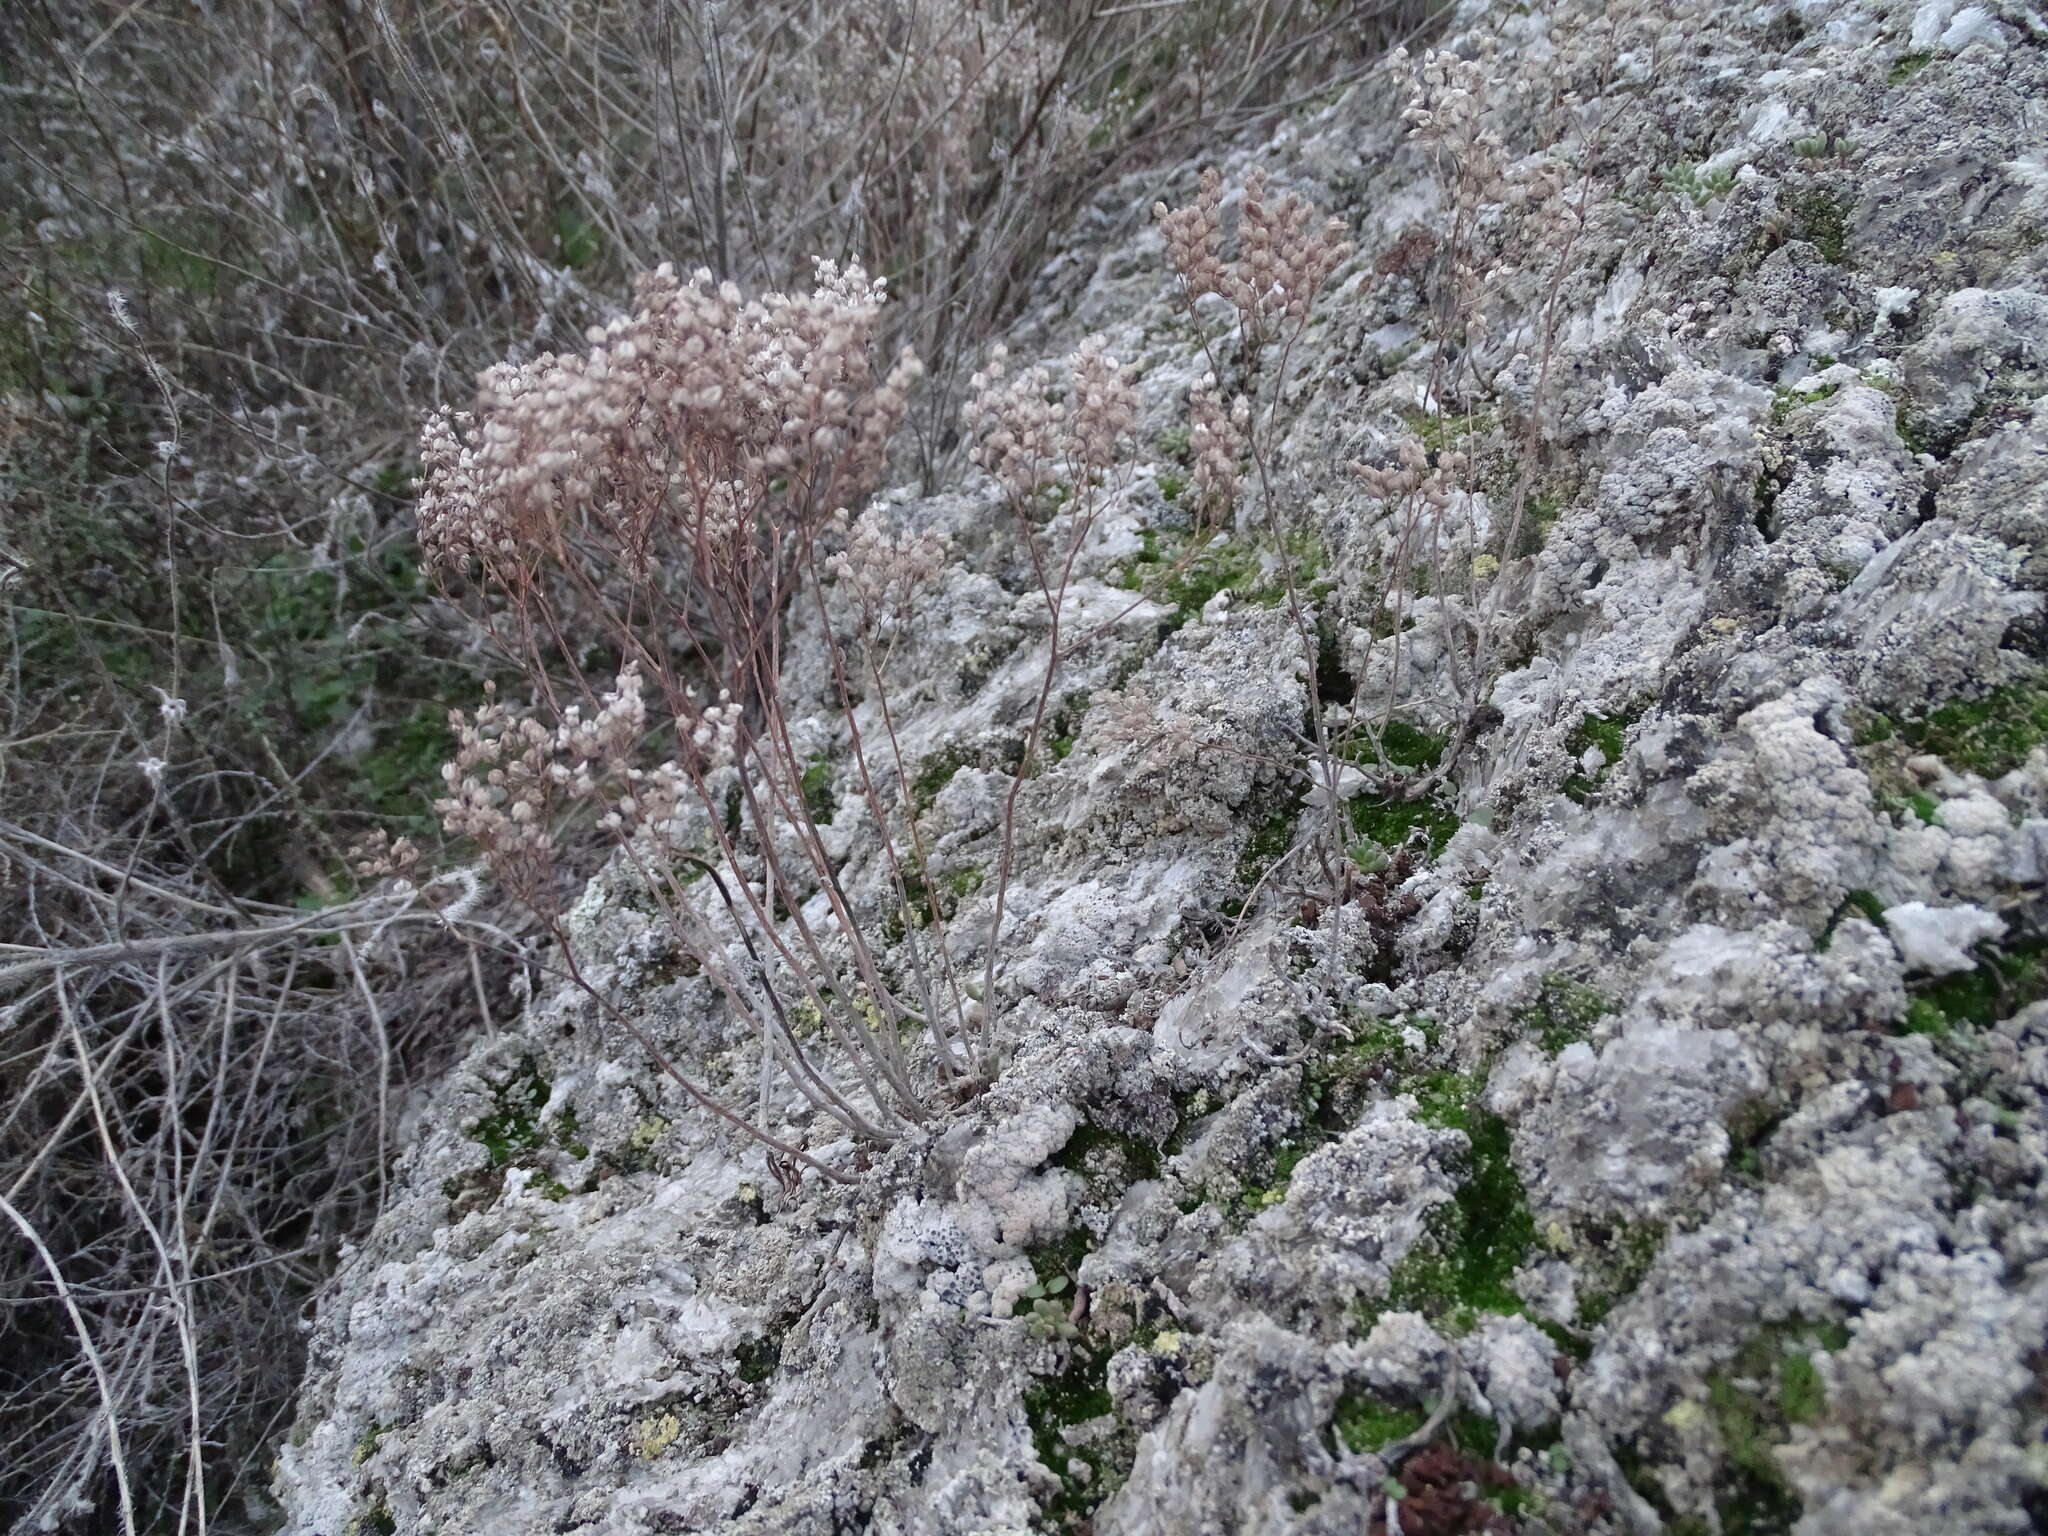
1186	582
1751	1403
1607	732
1272	835
819	800
936	772
1464	1265
1072	1418
1772	1385
1906	67
1565	1011
920	896
514	1129
1367	1424
758	1359
2007	978
1385	822
367	1442
1785	401
515	1135
1824	220
1988	736
1611	1262
1064	724
1107	1157
1078	1439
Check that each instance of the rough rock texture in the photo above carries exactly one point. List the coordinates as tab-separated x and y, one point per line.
1662	1150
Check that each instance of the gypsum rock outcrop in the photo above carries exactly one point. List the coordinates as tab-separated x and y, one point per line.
1653	1119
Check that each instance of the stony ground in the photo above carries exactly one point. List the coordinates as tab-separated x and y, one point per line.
1653	1139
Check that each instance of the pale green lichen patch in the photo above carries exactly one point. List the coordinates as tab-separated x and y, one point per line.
655	1434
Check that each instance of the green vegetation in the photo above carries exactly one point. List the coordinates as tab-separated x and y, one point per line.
172	262
1863	904
1286	1158
2007	978
1989	736
1611	1262
1269	842
1750	1129
1108	1159
936	772
299	667
1058	1258
1062	1410
1907	66
1771	1385
1607	732
1367	1424
819	800
919	897
1538	518
367	1442
1802	1397
1464	1265
1565	1011
1697	185
1245	568
1824	218
579	241
514	1130
1064	725
1785	401
1751	1403
760	1358
514	1135
1438	430
1410	747
1823	146
1073	1427
637	1156
1384	822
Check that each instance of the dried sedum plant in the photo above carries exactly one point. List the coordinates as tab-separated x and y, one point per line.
667	492
1216	438
735	427
1028	444
673	491
1287	253
1509	238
